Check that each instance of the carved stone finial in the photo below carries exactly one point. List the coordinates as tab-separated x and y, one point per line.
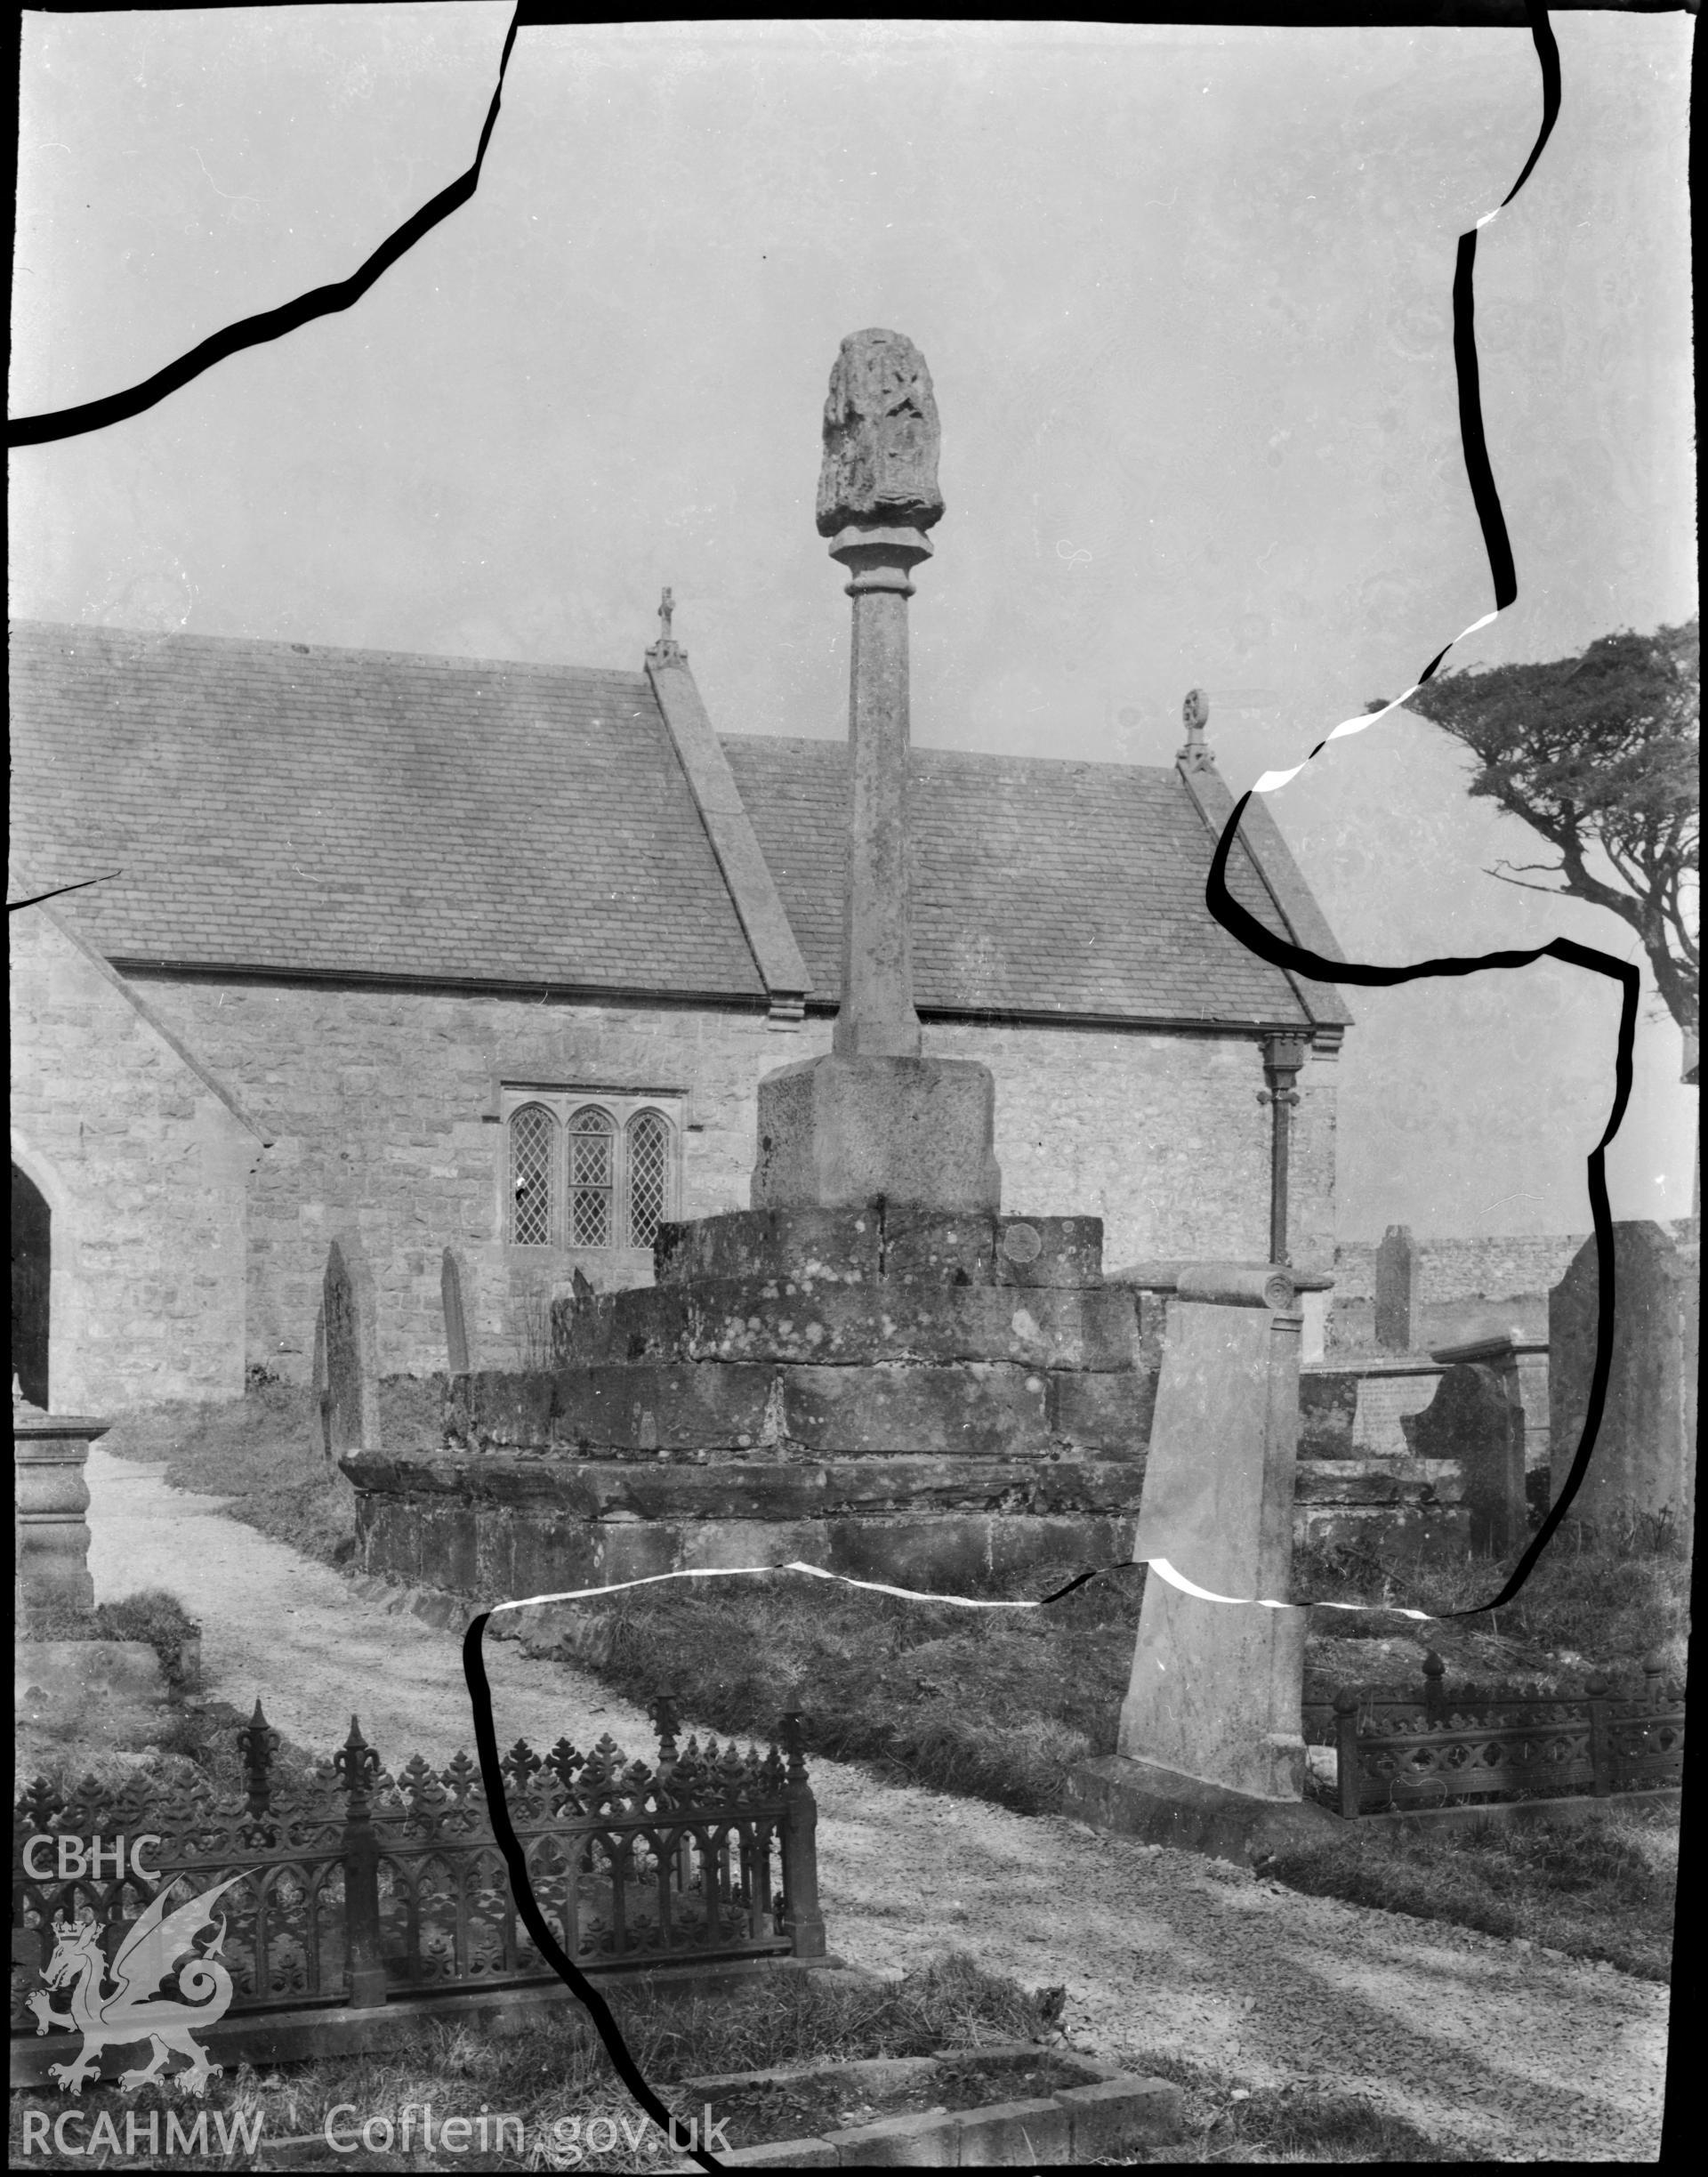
1195	712
881	438
667	650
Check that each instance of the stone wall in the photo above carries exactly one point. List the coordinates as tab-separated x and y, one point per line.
382	1106
1161	1136
145	1168
1459	1270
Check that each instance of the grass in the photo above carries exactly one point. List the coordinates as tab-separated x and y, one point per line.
554	2078
1594	1600
1223	2121
999	1706
262	1452
1600	1890
185	1744
549	2074
151	1615
994	1703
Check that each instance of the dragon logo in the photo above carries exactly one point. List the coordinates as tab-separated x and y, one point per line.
124	2002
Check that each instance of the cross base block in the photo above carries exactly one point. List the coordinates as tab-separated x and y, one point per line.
835	1131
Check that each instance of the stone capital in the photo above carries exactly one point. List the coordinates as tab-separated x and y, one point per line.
879	558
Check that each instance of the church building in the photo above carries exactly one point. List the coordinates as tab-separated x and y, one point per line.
428	954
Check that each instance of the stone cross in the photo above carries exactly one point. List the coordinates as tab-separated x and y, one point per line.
877	495
874	1119
1195	716
667	650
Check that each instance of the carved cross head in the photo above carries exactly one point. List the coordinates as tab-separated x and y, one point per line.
881	438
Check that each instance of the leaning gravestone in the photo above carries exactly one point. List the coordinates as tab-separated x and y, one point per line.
352	1393
1644	1462
1399	1291
1210	1754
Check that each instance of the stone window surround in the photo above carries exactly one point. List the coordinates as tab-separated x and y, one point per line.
621	1107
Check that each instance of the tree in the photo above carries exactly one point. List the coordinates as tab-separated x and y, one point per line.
1599	752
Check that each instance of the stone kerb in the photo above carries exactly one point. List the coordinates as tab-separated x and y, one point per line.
1643	1461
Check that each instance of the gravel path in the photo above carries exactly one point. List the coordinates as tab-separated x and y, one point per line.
1502	2051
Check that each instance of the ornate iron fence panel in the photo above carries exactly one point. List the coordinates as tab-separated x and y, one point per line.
1404	1753
352	1885
280	1921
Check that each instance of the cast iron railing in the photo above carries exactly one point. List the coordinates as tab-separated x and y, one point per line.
354	1886
1398	1752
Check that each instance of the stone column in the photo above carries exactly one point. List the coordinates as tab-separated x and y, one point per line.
876	1019
1283	1057
49	1453
876	1117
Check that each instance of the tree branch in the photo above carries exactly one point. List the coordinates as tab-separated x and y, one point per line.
1549	892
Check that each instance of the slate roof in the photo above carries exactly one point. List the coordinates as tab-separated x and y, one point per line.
360	811
357	813
1040	886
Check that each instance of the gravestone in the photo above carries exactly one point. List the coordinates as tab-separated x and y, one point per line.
1478	1418
1644	1464
1210	1750
352	1393
318	1383
1399	1291
456	1335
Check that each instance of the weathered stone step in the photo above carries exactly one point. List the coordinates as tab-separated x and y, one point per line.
752	1489
1381	1481
975	1407
490	1549
784	1319
882	1244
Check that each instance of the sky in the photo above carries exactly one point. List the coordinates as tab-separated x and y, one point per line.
1185	292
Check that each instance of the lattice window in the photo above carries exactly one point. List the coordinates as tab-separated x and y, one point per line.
588	1167
648	1176
533	1143
592	1173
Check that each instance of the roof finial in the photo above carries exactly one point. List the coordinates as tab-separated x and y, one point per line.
667	650
1195	756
